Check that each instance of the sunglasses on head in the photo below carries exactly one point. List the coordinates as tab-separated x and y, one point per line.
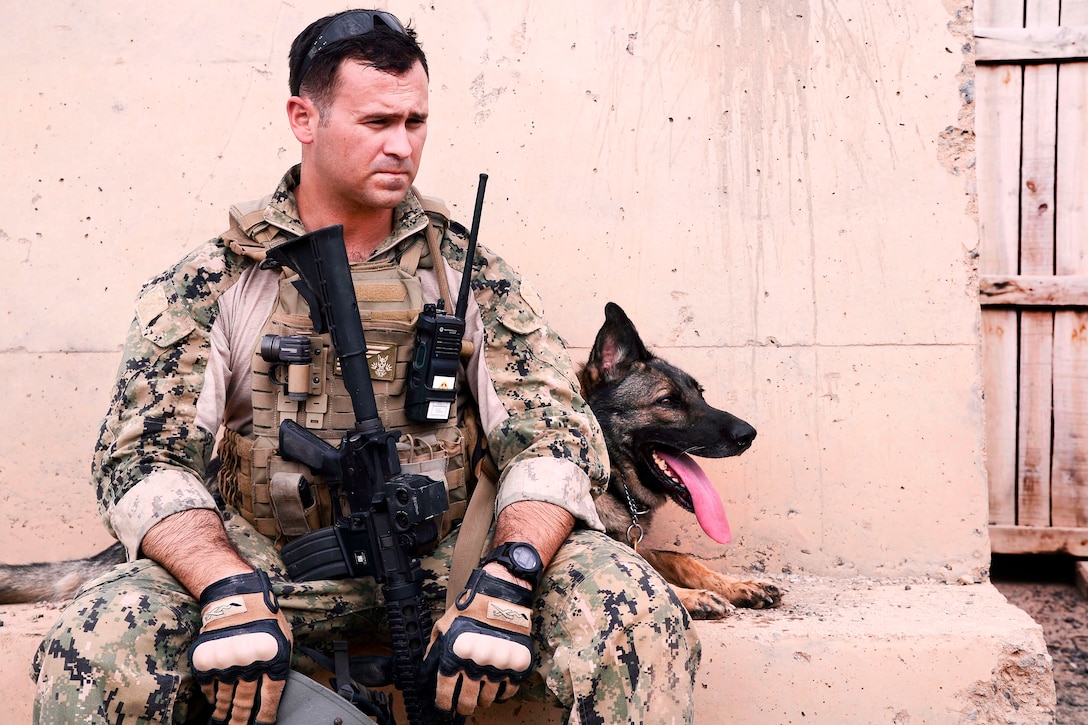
348	25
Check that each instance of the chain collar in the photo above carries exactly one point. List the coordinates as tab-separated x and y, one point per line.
635	532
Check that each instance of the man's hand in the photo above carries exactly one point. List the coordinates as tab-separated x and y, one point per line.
481	648
243	652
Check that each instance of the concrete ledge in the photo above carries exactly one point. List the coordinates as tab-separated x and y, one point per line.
861	651
838	652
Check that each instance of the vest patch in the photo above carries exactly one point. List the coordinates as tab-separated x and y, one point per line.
382	360
150	305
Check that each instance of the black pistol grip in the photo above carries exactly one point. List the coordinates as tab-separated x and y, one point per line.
304	446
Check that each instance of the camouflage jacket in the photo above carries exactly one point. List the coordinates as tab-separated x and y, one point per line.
186	371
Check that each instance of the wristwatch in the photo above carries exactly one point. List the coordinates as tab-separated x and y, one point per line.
520	559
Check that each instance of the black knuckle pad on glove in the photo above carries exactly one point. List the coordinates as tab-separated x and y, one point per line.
242	655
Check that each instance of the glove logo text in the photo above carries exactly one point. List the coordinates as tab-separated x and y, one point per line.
224	608
518	616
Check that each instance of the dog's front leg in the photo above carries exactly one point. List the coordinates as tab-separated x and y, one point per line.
684	571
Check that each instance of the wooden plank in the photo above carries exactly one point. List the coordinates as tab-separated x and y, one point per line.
1038	540
999	13
999	334
1069	464
1037	169
1031	45
1034	419
997	134
1071	192
1041	13
1033	290
1069	460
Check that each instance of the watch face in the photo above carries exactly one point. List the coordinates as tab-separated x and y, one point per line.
525	557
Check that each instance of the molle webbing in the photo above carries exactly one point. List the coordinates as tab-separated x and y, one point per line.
262	485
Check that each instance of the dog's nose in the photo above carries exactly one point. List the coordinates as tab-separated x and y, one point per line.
744	434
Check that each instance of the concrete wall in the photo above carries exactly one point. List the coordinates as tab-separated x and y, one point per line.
766	187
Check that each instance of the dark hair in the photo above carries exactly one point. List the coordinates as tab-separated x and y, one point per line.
383	48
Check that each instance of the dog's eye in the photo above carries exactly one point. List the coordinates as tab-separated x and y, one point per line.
666	401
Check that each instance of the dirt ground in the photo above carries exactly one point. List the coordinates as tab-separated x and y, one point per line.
1045	588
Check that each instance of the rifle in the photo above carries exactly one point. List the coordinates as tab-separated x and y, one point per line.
392	517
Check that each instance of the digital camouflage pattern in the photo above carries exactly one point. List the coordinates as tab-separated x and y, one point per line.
612	644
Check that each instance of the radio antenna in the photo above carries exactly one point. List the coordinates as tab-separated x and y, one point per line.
470	253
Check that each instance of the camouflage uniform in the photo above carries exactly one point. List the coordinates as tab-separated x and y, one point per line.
613	644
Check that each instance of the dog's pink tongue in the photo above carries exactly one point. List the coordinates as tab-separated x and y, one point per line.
708	506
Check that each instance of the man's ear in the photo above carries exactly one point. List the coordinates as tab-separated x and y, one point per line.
302	115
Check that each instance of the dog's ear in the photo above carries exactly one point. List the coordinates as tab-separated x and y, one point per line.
615	350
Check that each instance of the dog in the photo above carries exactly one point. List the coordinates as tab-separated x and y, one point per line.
654	418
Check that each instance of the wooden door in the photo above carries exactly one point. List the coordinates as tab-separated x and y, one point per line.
1031	83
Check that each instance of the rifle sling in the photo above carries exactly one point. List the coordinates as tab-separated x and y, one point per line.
476	525
434	246
472	538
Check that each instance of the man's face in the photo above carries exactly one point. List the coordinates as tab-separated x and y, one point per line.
368	141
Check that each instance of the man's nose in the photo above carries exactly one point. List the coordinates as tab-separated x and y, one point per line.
398	142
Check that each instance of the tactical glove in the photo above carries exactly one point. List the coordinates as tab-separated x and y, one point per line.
242	655
480	648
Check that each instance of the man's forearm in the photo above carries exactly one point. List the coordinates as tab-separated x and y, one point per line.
194	547
544	525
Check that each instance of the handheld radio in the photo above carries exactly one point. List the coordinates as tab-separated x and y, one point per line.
432	376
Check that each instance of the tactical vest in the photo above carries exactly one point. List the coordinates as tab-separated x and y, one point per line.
284	499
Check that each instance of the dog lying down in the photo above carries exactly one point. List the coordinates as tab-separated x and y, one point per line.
654	418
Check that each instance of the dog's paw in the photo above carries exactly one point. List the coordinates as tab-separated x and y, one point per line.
754	594
703	604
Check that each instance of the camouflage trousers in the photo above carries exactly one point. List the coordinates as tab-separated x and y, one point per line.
612	642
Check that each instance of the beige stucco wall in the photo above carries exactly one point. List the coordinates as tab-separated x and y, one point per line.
759	184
